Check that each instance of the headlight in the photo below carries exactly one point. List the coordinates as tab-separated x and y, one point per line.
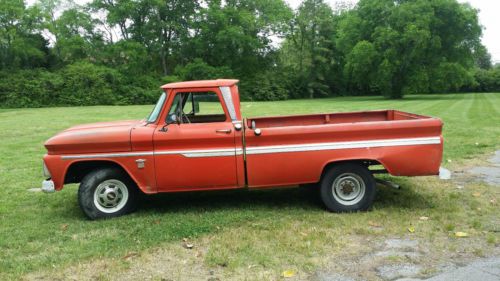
46	172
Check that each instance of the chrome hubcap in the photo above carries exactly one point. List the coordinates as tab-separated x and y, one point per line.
110	196
348	189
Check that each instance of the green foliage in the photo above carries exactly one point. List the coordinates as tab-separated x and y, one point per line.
361	67
420	45
486	80
20	47
42	89
120	51
265	86
309	51
81	83
200	70
89	84
236	34
449	77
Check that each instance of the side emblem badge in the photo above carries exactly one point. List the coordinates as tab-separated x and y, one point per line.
140	163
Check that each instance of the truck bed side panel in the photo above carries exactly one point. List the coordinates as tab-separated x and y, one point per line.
297	154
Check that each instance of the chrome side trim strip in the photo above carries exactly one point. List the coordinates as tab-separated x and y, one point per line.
193	153
185	153
108	155
340	145
202	152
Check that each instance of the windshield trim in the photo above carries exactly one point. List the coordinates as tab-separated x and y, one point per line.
155	113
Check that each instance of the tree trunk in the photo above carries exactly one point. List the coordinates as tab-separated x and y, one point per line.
163	61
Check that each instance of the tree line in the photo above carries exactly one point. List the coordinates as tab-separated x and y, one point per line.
56	52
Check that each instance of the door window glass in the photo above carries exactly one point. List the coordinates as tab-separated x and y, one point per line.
196	107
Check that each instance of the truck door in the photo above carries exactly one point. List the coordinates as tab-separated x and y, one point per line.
195	145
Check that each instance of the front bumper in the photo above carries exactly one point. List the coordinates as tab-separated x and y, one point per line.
48	186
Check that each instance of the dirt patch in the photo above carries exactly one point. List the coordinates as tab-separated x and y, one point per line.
490	175
401	259
488	172
387	260
391	272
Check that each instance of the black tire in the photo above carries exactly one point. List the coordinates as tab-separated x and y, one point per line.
351	180
111	180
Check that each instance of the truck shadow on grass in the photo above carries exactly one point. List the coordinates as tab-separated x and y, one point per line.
289	198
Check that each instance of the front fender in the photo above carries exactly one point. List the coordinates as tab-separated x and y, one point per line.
143	176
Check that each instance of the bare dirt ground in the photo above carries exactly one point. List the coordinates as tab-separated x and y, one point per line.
364	257
385	259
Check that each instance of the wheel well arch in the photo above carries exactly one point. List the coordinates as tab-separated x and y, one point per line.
79	169
363	162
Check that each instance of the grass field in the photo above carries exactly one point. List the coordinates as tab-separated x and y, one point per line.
242	231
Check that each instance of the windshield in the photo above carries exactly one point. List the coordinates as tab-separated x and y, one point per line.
156	110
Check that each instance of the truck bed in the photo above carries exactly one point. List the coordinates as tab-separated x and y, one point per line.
333	118
405	144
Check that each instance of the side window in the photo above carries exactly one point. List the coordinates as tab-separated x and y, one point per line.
196	107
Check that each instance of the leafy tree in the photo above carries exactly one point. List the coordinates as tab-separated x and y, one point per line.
486	80
200	70
413	41
311	47
20	43
237	34
56	52
118	12
271	86
361	67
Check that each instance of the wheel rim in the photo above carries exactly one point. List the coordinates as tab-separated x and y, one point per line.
348	189
110	196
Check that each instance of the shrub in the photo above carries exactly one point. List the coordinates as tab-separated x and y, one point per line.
89	84
29	88
265	86
487	80
200	70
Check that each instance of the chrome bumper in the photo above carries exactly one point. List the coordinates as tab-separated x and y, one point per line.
444	173
48	186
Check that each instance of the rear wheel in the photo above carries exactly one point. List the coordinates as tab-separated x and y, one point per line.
107	193
347	187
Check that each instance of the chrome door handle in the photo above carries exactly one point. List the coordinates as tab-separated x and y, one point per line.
225	131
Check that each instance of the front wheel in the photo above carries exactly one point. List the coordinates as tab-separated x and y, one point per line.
107	193
348	187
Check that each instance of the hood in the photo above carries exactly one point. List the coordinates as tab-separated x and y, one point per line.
99	137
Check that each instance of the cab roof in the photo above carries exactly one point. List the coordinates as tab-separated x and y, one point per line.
201	84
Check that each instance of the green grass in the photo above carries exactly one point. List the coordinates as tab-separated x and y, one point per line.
40	231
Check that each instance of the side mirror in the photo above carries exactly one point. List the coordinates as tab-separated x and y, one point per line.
196	106
172	119
164	129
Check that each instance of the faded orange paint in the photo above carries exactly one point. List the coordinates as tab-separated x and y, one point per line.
213	156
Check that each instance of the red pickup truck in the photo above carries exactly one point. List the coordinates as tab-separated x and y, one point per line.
196	139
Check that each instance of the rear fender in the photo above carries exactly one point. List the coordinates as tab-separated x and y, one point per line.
361	161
